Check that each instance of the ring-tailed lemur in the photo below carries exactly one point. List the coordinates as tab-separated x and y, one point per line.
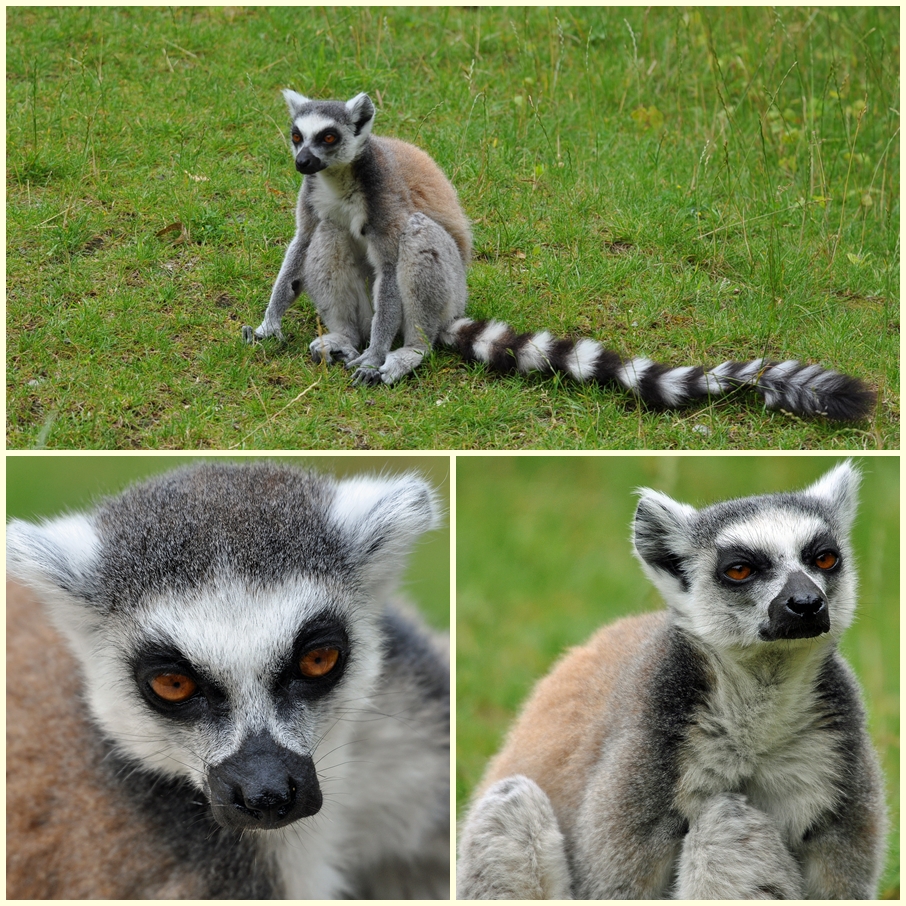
717	750
382	246
254	716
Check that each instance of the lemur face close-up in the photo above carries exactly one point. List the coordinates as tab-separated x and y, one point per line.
242	658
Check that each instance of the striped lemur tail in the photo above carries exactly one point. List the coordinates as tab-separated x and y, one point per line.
791	386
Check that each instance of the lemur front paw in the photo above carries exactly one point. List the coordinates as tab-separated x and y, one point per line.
251	334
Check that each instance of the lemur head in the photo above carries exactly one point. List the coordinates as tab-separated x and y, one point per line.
224	619
758	569
327	133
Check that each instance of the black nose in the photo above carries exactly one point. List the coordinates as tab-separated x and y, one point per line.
800	611
263	785
308	164
805	606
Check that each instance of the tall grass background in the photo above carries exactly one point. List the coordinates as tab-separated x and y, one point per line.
689	184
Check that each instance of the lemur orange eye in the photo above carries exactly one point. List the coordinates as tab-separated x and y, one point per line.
296	138
329	138
173	687
826	560
738	571
318	662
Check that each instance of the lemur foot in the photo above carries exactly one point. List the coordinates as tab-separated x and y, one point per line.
401	362
332	347
366	376
734	851
367	368
511	847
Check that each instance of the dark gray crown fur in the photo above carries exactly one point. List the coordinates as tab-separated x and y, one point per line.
180	529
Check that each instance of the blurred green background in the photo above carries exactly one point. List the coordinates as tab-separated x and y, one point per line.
543	558
41	485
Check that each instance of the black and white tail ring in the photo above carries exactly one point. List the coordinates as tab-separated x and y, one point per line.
791	386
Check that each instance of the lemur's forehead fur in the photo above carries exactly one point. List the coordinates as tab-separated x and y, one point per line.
317	115
264	622
176	532
775	531
763	515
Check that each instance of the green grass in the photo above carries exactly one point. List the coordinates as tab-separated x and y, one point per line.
44	486
692	185
543	558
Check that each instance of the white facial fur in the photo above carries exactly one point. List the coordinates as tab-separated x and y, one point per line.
239	630
243	656
671	531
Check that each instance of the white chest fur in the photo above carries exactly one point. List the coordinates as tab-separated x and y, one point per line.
761	734
338	199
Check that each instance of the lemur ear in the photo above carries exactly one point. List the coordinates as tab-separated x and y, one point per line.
660	535
57	559
361	111
382	518
53	557
294	100
839	489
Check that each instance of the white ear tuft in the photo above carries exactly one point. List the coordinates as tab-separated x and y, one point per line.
58	559
660	535
294	100
382	518
839	488
361	112
54	556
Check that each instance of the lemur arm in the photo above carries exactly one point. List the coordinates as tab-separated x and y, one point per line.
288	285
624	851
840	864
842	855
733	851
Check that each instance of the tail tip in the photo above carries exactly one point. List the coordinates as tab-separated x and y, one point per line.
853	401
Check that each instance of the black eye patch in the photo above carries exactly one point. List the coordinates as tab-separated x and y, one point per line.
320	654
823	552
739	565
328	137
173	686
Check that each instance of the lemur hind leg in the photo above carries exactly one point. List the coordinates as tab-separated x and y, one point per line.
432	283
735	852
337	279
511	847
